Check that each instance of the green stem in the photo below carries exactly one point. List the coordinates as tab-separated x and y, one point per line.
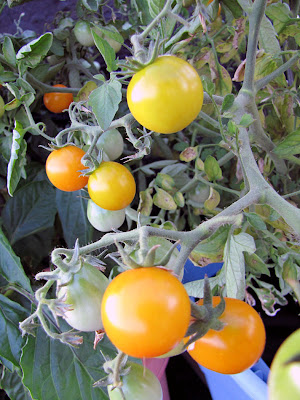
217	186
275	74
166	9
256	16
286	196
44	88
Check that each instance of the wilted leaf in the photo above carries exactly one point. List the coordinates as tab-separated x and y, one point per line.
164	200
213	200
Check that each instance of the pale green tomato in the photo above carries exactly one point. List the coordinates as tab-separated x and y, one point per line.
139	384
1	107
284	377
84	295
112	143
83	34
104	220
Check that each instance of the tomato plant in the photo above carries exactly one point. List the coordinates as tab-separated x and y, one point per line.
63	168
111	186
139	384
83	294
112	143
57	102
140	324
166	96
83	34
237	346
283	380
104	220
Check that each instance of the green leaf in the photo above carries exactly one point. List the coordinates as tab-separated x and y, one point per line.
246	120
32	209
9	51
110	32
155	7
256	264
34	52
11	382
234	263
72	208
289	146
10	265
17	160
55	371
11	341
142	9
234	7
268	38
227	102
106	51
212	168
211	249
256	221
164	200
91	5
279	14
105	102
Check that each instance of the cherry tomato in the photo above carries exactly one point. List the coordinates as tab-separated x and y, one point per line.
83	34
112	143
104	220
57	102
84	295
283	380
63	168
145	311
237	346
111	186
166	96
139	384
1	107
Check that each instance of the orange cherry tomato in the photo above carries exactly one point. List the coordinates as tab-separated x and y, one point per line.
237	346
145	311
63	168
57	102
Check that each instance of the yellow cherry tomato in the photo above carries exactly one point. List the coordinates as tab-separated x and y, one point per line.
111	186
166	96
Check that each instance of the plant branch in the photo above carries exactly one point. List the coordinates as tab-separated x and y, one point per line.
256	16
273	75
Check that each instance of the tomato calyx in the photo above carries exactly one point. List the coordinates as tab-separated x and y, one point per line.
204	317
144	256
114	369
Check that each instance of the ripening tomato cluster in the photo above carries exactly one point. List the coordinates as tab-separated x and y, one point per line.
111	186
146	312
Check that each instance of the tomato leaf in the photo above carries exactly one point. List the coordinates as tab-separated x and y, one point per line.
164	200
54	371
10	266
9	51
11	382
256	221
106	51
105	102
33	53
11	341
289	146
196	288
227	102
212	168
268	38
17	160
92	5
234	263
72	209
32	209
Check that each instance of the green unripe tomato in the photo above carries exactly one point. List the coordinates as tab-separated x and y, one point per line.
111	142
104	220
2	104
139	384
83	33
284	377
84	295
